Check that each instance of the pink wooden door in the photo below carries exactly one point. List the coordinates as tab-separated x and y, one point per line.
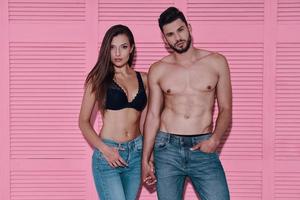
48	47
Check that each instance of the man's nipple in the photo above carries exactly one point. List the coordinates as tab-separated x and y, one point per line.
186	116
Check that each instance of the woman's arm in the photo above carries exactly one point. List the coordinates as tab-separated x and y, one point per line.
87	105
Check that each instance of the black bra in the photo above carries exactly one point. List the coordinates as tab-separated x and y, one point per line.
116	98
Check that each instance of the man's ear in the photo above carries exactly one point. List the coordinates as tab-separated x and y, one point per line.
164	38
190	27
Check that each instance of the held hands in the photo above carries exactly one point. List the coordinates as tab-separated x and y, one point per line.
148	176
112	156
207	146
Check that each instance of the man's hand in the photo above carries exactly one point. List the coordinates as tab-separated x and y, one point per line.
207	146
148	176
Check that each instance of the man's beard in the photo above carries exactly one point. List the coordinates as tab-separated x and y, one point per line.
182	50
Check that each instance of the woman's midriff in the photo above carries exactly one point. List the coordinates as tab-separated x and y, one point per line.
120	125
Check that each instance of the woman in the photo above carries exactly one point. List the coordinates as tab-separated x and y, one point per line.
121	97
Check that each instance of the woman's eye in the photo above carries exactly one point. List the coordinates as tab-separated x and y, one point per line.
125	47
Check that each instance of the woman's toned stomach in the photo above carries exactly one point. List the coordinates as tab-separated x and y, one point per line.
120	125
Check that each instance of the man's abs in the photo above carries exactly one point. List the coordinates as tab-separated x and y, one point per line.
189	122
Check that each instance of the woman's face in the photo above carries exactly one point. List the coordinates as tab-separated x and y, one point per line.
120	50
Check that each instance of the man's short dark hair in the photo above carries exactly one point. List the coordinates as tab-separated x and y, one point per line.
169	15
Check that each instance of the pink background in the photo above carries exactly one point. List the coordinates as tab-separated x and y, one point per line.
49	46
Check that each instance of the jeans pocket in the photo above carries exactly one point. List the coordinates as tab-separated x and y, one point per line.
205	155
99	161
206	152
98	155
160	143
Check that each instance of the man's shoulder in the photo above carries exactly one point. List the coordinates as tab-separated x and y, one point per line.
156	64
158	68
155	69
218	62
160	63
211	55
218	57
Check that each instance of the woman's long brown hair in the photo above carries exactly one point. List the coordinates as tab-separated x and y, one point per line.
102	74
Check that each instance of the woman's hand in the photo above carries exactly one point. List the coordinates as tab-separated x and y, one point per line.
148	175
112	156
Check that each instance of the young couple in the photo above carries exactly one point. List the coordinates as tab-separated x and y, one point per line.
178	140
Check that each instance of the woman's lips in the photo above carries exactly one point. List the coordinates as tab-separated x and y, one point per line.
118	59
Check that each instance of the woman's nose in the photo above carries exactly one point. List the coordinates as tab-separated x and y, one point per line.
117	52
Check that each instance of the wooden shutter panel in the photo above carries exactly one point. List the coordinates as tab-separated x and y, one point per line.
46	10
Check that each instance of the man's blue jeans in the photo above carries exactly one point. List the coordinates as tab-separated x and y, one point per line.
121	183
174	161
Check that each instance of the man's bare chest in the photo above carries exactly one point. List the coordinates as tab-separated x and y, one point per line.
180	80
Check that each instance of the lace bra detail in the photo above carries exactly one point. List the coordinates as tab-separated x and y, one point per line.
116	98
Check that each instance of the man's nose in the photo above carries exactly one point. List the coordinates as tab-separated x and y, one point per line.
177	37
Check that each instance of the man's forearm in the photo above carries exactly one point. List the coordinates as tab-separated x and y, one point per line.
151	127
222	123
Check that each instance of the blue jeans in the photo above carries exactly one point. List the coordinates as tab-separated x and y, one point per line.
121	183
174	161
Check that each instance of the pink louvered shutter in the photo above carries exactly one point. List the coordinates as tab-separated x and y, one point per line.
48	47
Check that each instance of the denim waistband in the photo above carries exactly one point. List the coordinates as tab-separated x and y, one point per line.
130	144
182	140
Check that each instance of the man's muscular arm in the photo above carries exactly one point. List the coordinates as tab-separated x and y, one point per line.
224	99
152	122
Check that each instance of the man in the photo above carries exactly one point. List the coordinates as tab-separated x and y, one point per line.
183	87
